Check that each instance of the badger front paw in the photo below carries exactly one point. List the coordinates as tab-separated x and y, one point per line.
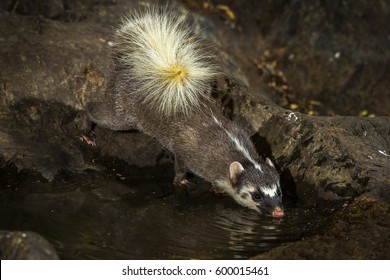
181	181
89	138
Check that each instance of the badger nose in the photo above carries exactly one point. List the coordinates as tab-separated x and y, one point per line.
278	212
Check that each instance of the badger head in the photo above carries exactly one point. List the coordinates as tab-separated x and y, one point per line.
257	187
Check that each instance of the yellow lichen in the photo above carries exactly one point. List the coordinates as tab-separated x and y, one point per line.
229	13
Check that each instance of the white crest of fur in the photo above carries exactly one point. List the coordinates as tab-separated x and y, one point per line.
163	56
270	191
239	145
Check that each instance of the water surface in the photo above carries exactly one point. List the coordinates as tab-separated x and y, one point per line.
111	217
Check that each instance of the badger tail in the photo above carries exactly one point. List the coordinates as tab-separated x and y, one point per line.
163	57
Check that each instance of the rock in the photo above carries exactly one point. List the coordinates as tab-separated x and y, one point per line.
329	158
39	122
25	245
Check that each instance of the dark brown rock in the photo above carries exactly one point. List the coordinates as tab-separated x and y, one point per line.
20	245
330	158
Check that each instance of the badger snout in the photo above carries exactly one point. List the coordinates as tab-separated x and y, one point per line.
274	211
277	212
273	207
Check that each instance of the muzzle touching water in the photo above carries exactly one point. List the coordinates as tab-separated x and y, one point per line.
277	212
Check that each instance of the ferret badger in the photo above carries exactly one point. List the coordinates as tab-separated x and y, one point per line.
160	85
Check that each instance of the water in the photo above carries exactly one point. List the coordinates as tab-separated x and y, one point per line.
94	216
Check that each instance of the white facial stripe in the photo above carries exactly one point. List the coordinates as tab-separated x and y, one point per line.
270	191
239	146
247	201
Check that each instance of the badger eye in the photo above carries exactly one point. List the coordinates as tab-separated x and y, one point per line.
256	196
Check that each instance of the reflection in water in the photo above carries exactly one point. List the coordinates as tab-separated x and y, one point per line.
250	233
95	217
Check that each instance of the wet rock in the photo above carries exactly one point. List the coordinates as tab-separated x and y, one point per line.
329	158
20	245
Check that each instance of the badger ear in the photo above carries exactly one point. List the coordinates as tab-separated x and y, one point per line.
235	171
267	160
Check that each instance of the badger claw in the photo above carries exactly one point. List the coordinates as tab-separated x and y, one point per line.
181	182
89	139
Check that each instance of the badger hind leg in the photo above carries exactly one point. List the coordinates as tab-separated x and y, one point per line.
105	117
87	130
